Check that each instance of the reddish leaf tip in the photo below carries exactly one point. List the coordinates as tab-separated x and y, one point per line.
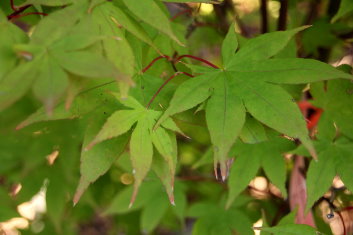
171	199
20	126
215	170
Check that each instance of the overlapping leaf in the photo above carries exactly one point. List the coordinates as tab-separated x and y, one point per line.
336	99
250	157
213	219
249	82
151	200
142	140
335	151
52	57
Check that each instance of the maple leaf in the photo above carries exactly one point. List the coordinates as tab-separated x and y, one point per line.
250	157
143	138
333	146
249	82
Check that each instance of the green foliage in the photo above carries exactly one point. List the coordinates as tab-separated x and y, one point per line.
107	105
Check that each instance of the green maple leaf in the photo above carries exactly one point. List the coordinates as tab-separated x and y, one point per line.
249	82
250	157
334	150
53	59
335	97
142	140
152	202
212	219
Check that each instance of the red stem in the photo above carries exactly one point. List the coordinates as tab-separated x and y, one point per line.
187	11
13	5
199	59
26	14
165	83
153	61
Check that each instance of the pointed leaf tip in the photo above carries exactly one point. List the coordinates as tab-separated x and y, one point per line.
171	199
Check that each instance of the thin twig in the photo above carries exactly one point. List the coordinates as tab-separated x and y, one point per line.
264	17
163	85
27	14
282	19
199	59
153	61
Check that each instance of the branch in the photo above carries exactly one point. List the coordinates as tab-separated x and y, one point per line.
282	19
264	20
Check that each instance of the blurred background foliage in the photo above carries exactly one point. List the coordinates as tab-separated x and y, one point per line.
39	164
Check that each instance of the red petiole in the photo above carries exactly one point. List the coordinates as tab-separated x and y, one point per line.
175	74
13	6
163	85
154	61
178	59
199	59
17	11
187	11
29	13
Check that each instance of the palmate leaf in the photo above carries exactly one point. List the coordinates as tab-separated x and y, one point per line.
142	140
250	157
335	158
249	82
99	159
